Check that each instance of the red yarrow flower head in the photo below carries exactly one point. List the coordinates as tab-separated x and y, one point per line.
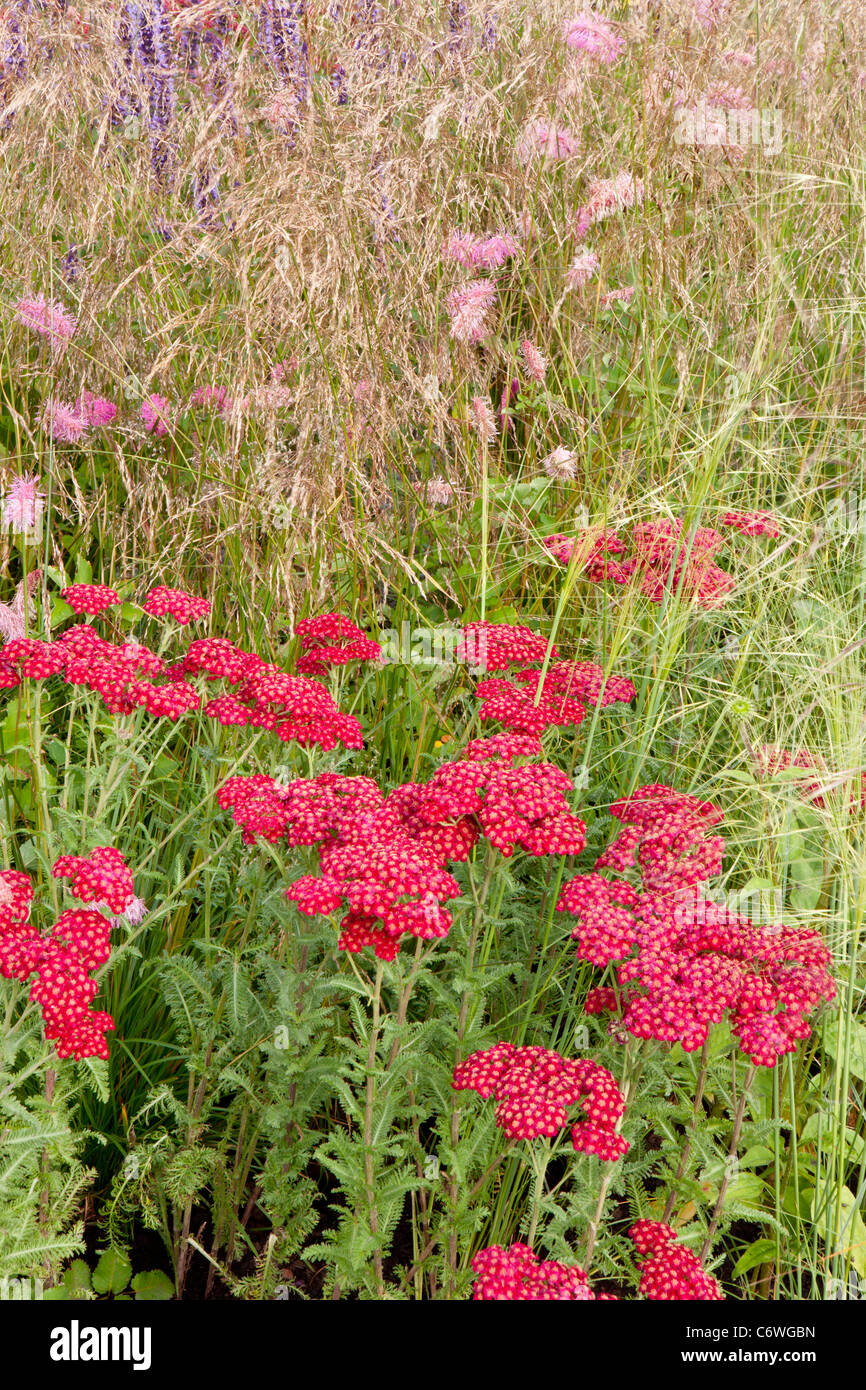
751	523
101	876
535	1088
496	646
90	598
517	1274
176	603
331	640
669	1270
685	961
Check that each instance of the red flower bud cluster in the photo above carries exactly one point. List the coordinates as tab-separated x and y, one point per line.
101	876
535	1088
592	548
332	640
392	883
515	807
27	657
751	523
668	1270
496	646
77	944
116	672
176	603
772	760
386	856
665	556
668	558
517	1274
90	598
685	962
565	690
293	707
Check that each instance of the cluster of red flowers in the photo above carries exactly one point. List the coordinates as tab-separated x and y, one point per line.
687	962
771	760
77	945
664	557
527	703
386	856
90	598
176	603
592	548
102	876
516	1273
332	640
667	559
751	523
513	806
668	1269
496	646
392	884
293	707
535	1088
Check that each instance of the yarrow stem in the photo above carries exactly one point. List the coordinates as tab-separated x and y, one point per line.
540	1170
369	1176
629	1081
480	898
690	1133
732	1151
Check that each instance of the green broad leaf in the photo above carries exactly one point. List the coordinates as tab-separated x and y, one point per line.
15	731
508	614
56	750
60	612
846	1035
760	1252
850	1236
753	885
83	571
76	1279
807	871
131	613
152	1286
821	1130
746	1190
112	1273
758	1156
